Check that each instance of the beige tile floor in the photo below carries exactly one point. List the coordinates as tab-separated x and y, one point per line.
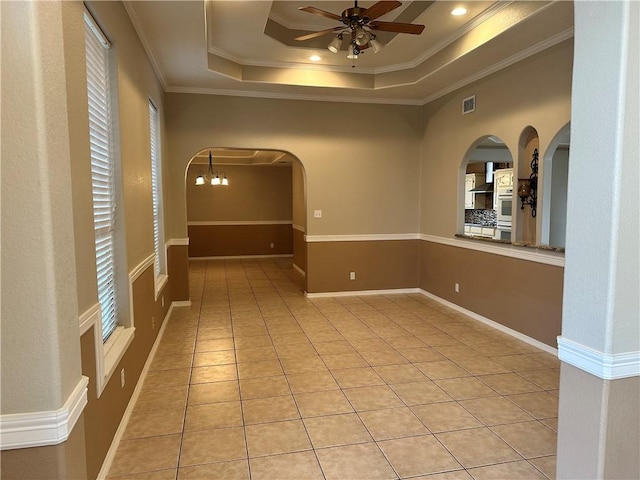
256	381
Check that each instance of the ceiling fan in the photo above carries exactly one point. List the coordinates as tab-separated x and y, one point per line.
360	24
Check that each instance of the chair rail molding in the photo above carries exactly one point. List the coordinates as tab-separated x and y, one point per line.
603	365
40	429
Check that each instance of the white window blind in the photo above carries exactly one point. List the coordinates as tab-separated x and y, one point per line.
156	186
102	172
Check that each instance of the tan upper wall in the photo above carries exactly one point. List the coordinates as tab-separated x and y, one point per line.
299	204
361	161
255	193
535	92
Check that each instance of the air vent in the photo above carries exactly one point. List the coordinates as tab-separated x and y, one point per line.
469	105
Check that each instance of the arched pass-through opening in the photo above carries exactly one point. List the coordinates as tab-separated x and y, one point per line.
486	177
246	202
553	221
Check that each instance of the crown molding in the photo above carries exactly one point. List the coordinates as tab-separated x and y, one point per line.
507	62
292	96
133	16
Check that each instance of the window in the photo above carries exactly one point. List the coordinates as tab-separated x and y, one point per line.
102	172
159	264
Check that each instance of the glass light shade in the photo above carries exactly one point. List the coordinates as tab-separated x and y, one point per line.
215	180
225	180
524	187
362	36
376	44
336	43
200	179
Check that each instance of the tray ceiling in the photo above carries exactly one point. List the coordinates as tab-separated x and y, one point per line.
247	47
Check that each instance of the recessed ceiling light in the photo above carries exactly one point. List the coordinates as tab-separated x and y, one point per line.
458	11
315	58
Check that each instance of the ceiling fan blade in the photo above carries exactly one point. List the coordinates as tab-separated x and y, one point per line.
378	9
309	36
322	13
411	28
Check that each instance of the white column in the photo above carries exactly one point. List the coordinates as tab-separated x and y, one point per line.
599	425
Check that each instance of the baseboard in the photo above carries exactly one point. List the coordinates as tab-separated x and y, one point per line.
111	453
299	270
492	323
361	293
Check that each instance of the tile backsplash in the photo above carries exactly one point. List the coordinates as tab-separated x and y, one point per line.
479	216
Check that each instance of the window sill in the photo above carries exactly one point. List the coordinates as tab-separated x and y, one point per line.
160	282
114	349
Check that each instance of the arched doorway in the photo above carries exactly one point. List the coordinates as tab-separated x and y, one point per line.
246	202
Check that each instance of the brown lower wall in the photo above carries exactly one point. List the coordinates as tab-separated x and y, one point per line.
299	250
379	265
236	240
178	270
522	295
66	460
103	415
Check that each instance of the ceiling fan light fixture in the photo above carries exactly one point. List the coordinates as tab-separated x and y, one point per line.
376	44
336	43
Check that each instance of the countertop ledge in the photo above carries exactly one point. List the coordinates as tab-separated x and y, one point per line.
545	248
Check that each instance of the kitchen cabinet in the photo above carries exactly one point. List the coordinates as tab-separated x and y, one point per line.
504	177
471	199
479	231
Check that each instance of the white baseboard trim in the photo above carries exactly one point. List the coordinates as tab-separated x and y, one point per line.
111	453
299	270
242	257
181	303
602	365
361	293
491	323
39	429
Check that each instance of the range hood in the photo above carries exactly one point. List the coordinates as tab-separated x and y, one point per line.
486	187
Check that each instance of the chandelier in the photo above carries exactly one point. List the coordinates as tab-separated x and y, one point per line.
213	177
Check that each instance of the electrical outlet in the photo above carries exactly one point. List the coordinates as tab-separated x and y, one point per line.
153	322
352	275
317	214
122	378
456	288
271	245
162	300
